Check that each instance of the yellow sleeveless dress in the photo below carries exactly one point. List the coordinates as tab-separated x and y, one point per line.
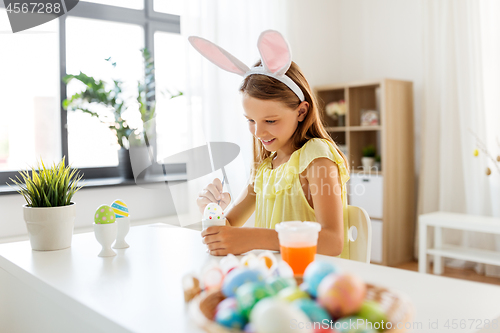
279	194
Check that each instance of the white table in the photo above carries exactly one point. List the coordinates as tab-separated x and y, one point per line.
465	222
139	290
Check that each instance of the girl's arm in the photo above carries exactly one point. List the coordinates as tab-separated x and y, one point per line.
226	239
325	189
235	240
242	208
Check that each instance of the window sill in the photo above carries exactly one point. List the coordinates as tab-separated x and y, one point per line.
108	182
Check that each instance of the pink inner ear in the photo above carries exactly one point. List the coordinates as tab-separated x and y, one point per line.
218	56
274	51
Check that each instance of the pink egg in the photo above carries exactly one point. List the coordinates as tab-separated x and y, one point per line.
228	303
212	277
341	295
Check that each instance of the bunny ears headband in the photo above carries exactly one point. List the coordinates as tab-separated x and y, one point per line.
274	52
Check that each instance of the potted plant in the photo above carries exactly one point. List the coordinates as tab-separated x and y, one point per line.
337	111
49	212
378	164
368	160
110	95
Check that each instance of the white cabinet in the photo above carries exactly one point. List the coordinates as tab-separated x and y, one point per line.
377	226
367	191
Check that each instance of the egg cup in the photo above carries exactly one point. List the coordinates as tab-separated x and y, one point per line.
123	228
205	223
106	235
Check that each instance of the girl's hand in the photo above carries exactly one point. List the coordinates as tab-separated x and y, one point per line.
213	193
222	240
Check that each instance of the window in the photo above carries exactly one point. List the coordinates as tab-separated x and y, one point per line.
32	122
29	96
132	4
168	6
90	142
171	114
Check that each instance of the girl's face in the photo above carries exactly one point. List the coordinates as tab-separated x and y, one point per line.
272	122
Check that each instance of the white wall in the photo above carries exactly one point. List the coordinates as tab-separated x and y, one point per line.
336	41
332	41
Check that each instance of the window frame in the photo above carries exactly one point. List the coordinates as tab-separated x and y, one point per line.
151	22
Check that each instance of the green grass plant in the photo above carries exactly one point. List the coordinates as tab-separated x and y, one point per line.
48	186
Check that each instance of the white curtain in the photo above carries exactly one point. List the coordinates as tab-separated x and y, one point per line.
215	111
461	84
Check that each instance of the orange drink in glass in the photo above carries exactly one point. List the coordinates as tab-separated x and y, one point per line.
298	243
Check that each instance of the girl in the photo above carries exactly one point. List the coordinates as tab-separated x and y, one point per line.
299	174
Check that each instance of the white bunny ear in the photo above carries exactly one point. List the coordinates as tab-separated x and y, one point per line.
274	52
218	56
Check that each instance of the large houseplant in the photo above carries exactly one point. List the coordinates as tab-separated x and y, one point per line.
110	95
49	212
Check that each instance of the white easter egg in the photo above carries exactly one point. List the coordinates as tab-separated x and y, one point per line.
213	212
271	315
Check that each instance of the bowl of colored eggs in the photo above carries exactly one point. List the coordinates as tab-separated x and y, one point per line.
259	294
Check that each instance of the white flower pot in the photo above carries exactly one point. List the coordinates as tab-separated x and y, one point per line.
50	228
123	228
368	163
106	235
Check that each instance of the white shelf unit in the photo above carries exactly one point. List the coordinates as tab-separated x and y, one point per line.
465	222
390	192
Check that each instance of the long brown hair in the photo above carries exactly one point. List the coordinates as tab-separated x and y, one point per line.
267	88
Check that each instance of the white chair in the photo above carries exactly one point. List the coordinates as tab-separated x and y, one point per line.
360	234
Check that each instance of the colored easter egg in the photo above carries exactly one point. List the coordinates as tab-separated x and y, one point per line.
120	208
372	311
231	318
341	294
249	260
282	269
213	212
313	310
290	294
229	262
315	272
237	277
249	328
250	293
324	329
272	315
104	215
353	324
212	277
268	259
278	283
227	303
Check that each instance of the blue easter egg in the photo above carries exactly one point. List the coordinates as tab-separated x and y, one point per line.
315	272
250	293
312	309
231	318
120	208
237	277
228	303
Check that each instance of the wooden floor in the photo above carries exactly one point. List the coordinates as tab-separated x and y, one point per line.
465	274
